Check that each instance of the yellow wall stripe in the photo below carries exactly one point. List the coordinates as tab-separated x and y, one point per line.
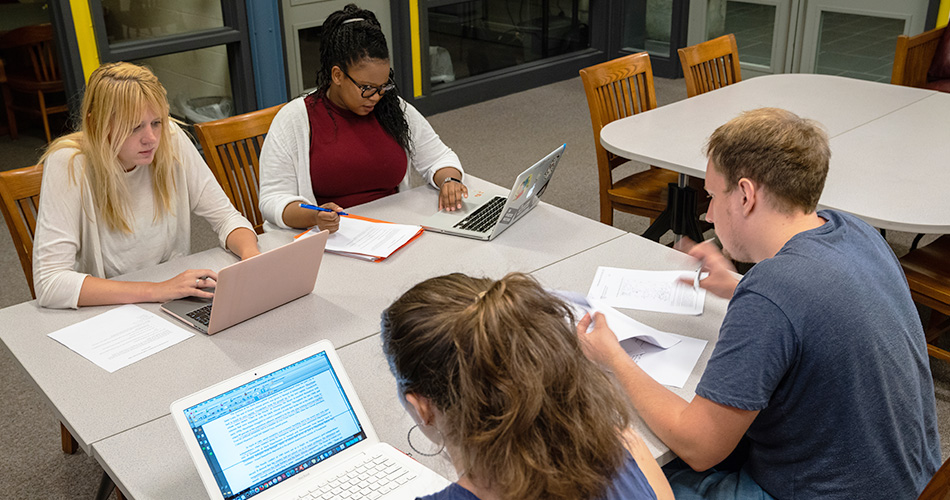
85	36
417	48
943	13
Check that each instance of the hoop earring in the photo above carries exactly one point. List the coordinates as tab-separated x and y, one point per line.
409	439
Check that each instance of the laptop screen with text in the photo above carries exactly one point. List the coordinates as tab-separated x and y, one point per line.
278	425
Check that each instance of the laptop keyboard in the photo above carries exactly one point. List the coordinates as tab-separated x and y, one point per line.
201	315
485	217
369	479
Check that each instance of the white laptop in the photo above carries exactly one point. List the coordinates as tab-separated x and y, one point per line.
254	286
486	216
293	429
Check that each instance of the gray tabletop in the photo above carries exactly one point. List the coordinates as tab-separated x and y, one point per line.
135	457
888	142
344	308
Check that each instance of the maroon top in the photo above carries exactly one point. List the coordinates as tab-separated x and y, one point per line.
352	159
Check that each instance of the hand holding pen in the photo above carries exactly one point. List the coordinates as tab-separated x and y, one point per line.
720	279
327	215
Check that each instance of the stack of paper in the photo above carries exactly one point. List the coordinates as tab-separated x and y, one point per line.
369	239
667	357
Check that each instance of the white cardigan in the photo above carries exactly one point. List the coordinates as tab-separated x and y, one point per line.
285	159
69	239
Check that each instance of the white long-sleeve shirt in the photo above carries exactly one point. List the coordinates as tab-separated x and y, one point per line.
285	159
70	244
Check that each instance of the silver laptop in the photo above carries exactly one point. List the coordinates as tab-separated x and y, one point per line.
254	286
293	429
487	215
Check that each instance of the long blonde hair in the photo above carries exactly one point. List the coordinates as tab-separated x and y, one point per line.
529	414
116	96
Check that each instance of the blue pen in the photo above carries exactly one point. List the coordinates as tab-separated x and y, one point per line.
321	209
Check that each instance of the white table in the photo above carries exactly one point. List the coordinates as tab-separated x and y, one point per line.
150	461
890	144
349	295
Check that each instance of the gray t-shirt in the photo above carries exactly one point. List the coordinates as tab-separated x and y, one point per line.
824	340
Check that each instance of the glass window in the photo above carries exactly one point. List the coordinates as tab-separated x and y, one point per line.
309	53
647	26
198	83
753	24
142	19
857	46
473	37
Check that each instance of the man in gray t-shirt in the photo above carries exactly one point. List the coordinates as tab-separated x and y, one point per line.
821	364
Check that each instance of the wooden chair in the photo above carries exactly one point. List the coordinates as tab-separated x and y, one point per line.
939	486
32	69
232	147
19	202
913	56
928	275
710	65
617	89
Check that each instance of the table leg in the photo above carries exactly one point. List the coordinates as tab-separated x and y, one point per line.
679	214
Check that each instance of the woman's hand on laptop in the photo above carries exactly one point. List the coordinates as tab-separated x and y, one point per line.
451	189
187	284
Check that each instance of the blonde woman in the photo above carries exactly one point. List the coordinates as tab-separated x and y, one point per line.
493	372
117	197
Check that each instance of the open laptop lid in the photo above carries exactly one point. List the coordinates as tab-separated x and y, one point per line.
258	433
528	188
257	285
521	198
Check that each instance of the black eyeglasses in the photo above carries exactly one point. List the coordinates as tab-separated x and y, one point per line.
368	91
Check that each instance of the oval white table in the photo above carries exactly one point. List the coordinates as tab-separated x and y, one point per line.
890	145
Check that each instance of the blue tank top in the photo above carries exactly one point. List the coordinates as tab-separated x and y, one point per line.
628	484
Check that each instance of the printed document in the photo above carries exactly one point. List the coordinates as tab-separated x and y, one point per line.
120	337
667	357
369	240
659	291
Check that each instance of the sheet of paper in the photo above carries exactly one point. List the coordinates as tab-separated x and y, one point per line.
667	366
658	291
120	337
667	357
370	239
623	326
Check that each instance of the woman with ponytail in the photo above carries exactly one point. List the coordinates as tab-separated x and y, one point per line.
494	372
118	196
352	139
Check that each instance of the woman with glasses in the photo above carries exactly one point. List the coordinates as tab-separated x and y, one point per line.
352	140
493	373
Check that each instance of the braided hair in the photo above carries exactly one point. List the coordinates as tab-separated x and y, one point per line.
349	36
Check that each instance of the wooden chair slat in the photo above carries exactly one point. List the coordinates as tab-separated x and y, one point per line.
710	65
232	149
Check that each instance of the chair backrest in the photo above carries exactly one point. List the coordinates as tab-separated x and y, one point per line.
710	65
19	202
36	50
616	89
913	56
939	486
232	148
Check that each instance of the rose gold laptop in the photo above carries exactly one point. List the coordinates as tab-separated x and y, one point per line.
254	286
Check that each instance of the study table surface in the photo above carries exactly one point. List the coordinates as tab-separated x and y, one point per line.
150	461
889	143
348	297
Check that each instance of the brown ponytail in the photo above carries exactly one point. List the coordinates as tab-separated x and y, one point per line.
530	415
